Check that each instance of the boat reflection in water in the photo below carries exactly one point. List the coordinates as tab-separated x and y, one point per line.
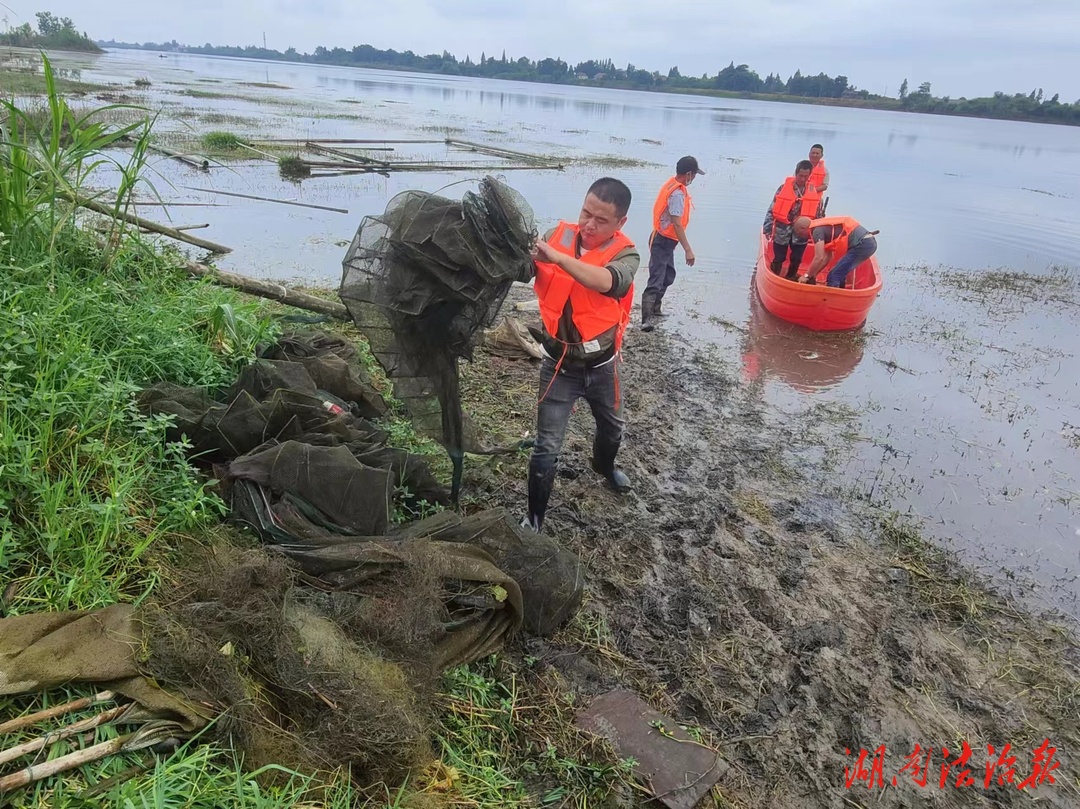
806	360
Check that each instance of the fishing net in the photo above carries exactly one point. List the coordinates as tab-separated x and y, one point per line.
422	280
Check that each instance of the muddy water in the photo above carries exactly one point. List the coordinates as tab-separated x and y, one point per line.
956	403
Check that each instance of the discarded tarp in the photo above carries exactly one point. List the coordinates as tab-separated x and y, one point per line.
422	280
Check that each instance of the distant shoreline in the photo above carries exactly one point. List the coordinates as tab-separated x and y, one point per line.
874	103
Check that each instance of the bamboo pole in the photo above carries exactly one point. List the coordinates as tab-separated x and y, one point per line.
269	289
47	769
485	147
267	155
267	199
193	227
339	153
343	140
51	738
57	710
172	233
183	158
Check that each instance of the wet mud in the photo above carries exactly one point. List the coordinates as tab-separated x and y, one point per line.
794	628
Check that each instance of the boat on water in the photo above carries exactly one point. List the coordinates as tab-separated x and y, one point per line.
817	306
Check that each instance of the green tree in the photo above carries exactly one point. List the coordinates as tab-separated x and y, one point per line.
903	90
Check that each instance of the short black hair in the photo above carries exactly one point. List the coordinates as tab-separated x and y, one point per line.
818	146
613	192
804	165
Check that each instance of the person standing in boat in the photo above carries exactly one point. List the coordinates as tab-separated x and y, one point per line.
819	175
671	215
839	237
585	286
796	197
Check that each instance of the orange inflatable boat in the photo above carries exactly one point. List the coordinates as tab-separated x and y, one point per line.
817	306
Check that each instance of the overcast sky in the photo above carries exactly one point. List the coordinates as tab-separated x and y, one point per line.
963	47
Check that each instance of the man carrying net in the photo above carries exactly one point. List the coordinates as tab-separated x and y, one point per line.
585	285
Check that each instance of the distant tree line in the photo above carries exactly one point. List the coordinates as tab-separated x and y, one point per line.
56	33
733	79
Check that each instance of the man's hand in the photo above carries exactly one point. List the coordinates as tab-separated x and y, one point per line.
542	251
689	258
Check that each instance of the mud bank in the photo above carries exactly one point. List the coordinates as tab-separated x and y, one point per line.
795	629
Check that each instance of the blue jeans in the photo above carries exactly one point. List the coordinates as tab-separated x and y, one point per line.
854	256
597	386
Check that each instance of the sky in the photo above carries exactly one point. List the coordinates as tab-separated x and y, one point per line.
962	47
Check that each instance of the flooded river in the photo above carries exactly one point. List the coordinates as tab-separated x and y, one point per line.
959	398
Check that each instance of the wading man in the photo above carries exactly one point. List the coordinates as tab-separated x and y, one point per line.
839	237
585	285
671	215
796	197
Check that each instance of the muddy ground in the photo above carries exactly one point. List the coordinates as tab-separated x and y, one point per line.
790	626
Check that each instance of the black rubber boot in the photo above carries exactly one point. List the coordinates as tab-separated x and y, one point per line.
792	274
541	482
603	463
648	306
775	267
657	304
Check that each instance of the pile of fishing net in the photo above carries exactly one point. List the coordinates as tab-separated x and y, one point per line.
314	640
422	281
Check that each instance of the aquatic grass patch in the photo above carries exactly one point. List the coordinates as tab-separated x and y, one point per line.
220	141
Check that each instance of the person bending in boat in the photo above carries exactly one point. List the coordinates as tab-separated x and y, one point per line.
671	215
796	197
585	285
839	237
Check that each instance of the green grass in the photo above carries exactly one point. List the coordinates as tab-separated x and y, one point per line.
220	141
91	493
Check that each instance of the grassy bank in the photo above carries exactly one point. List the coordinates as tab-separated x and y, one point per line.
93	497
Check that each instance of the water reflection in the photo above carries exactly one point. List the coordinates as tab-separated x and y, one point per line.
807	361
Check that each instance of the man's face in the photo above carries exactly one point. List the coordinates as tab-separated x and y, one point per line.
598	222
802	231
815	156
802	176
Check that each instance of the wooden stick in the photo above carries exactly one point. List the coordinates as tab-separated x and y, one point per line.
204	165
267	199
193	227
485	147
341	140
51	738
57	710
172	233
339	153
269	289
267	155
47	769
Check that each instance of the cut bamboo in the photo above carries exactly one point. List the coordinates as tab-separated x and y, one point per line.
47	769
269	289
343	140
51	738
346	155
57	710
193	227
267	199
172	233
483	147
203	165
267	155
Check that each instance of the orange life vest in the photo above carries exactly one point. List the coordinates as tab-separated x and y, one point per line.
838	246
817	174
593	312
660	206
786	200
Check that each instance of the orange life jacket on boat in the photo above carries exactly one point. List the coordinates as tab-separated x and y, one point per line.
838	246
661	205
817	174
809	203
593	312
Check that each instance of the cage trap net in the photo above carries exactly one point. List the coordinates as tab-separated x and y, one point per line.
422	281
